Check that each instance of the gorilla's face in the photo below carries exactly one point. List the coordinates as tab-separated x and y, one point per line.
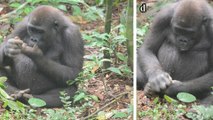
42	34
185	37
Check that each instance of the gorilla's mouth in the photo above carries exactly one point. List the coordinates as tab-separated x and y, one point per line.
183	48
31	44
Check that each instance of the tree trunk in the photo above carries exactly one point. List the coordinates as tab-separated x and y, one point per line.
129	33
108	29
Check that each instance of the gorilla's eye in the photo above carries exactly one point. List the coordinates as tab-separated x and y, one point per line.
205	20
183	31
176	30
35	30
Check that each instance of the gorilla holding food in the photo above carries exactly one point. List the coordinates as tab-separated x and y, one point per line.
177	54
44	51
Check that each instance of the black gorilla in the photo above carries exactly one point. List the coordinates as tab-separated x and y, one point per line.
177	55
43	52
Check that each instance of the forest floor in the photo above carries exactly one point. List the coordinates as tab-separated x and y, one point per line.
114	92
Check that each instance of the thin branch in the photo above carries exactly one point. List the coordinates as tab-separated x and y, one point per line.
102	108
12	12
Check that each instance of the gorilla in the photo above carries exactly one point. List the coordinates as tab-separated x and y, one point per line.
44	51
177	54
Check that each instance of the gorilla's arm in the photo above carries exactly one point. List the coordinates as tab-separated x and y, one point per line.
20	31
4	60
198	87
147	54
59	72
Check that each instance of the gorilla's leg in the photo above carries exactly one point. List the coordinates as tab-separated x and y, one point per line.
52	97
208	100
10	88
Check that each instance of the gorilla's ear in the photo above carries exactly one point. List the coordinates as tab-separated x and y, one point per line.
56	24
205	21
171	20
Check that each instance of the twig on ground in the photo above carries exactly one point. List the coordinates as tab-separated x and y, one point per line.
102	108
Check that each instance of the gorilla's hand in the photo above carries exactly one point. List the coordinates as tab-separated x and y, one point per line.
20	94
174	88
148	91
159	81
13	47
31	51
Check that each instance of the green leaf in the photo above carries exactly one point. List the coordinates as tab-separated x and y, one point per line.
79	97
3	79
156	100
36	1
76	10
11	104
106	60
120	115
115	70
27	10
100	2
143	31
95	98
3	93
62	7
186	97
120	38
2	85
29	1
130	108
36	102
15	5
20	104
101	115
1	38
121	56
201	112
125	70
169	99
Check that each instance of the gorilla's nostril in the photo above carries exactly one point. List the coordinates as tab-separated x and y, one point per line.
34	39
